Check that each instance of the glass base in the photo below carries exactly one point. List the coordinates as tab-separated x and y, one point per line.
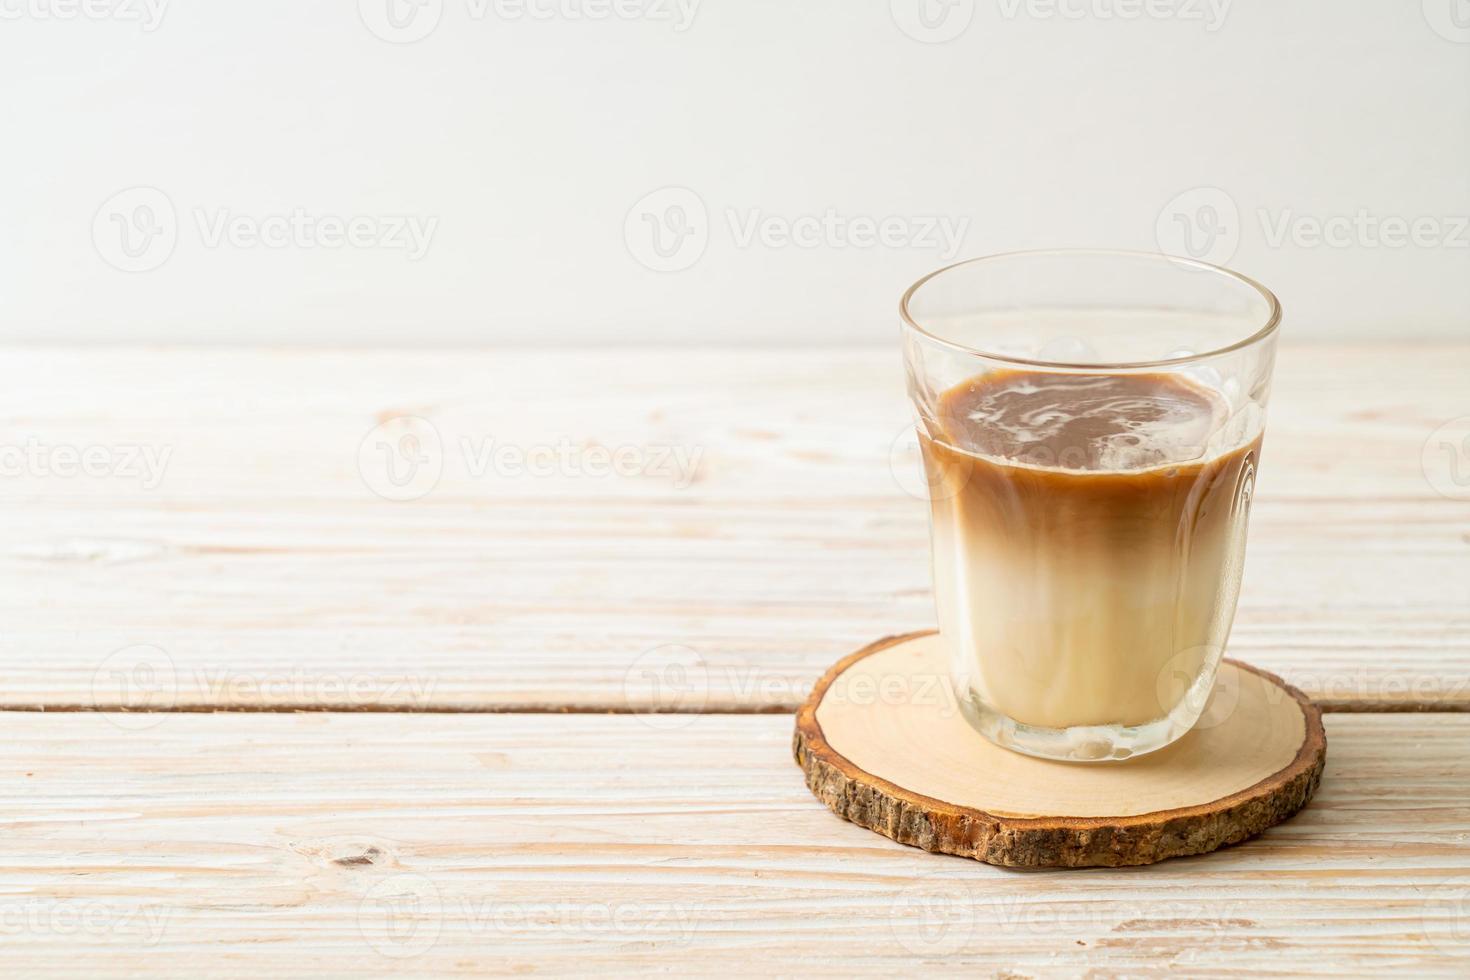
1089	743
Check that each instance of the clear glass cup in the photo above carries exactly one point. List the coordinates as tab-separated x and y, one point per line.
1091	424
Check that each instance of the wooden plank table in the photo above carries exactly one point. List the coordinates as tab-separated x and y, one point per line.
571	656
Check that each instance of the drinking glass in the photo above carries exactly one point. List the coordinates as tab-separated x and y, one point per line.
1091	424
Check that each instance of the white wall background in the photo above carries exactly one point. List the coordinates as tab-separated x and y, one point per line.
522	146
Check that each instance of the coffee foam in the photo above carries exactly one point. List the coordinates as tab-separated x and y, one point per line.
1093	422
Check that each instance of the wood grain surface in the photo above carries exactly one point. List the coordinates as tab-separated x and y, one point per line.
261	569
407	844
186	530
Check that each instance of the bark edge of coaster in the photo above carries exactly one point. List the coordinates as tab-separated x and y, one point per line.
914	770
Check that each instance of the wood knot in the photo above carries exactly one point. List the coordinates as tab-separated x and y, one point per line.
369	856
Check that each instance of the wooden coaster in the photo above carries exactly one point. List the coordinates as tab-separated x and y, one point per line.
883	744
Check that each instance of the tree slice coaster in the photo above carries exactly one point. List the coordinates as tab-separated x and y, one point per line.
883	744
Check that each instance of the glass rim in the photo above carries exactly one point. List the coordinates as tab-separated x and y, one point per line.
1273	318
